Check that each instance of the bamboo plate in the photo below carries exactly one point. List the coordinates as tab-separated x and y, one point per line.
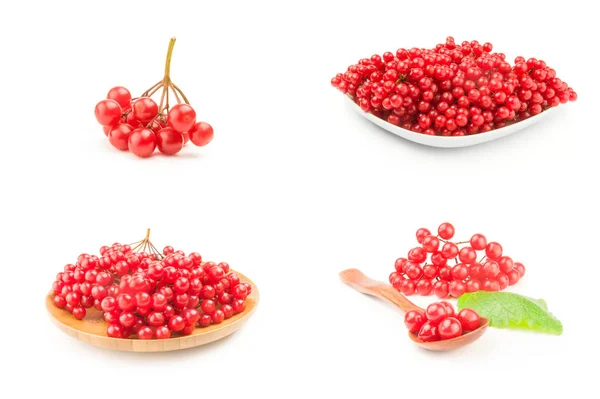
92	329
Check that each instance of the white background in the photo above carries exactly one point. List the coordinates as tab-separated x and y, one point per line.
294	188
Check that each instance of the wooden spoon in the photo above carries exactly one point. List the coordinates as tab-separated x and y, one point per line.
357	280
92	329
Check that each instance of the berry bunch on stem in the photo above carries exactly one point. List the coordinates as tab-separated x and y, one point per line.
440	321
446	268
139	125
148	293
452	89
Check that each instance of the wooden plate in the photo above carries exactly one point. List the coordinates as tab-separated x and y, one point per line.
92	329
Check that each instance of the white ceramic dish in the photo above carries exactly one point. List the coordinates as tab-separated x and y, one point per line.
449	142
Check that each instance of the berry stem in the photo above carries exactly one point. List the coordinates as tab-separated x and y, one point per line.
167	77
180	92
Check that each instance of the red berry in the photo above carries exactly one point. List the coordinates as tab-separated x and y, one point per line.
428	332
169	141
431	244
142	142
182	118
176	323
469	319
414	320
201	134
493	250
145	333
446	231
108	112
478	242
456	288
121	95
449	328
144	109
205	320
440	289
421	234
79	312
467	255
163	332
435	312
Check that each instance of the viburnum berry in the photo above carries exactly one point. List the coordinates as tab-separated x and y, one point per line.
414	320
150	294
140	125
427	269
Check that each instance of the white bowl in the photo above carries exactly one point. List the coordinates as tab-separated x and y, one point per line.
449	141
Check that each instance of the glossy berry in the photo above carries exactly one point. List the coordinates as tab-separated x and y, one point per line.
414	320
169	141
108	112
435	312
142	142
118	136
201	134
446	231
144	109
182	118
469	319
428	332
121	95
449	328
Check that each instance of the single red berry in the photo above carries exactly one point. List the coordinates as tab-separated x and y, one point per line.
169	141
144	109
414	320
449	328
145	333
121	95
201	134
108	112
469	319
428	332
431	244
435	312
182	118
478	242
446	231
493	250
176	323
163	332
421	234
142	142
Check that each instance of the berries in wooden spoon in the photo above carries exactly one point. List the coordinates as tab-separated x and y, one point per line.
140	125
445	268
148	293
440	322
452	89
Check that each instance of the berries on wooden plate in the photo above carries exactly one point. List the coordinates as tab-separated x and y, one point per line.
452	89
147	293
140	125
439	266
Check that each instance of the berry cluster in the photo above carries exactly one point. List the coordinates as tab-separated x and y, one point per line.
428	269
440	322
140	125
452	90
150	294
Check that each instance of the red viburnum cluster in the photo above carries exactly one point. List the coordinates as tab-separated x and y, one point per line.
452	90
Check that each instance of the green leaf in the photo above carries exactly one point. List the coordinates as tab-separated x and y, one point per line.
508	310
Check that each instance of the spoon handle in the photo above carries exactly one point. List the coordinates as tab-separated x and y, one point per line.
357	280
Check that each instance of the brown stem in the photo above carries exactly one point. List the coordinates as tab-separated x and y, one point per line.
155	87
180	92
176	94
